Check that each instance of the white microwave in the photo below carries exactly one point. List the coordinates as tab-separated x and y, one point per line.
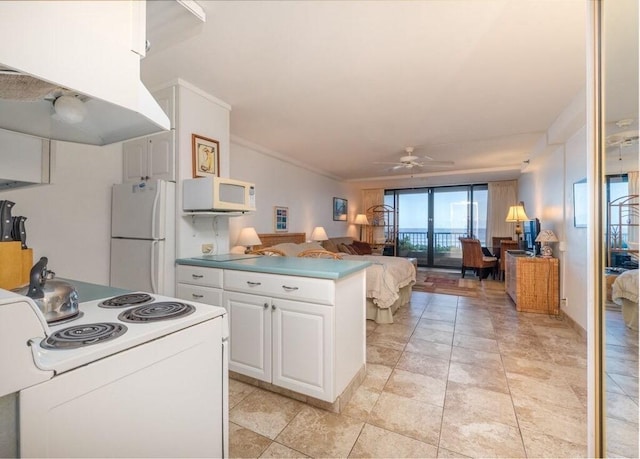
218	194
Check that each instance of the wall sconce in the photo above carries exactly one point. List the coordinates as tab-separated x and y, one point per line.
248	238
544	237
319	234
361	219
516	215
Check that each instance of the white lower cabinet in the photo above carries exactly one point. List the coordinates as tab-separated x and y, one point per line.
196	283
283	342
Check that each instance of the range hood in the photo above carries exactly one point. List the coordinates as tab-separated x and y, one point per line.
85	50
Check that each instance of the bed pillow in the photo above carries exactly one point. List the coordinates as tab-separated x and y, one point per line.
363	248
330	246
291	249
344	248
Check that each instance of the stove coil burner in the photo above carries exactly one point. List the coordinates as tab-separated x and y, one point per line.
83	335
162	310
129	299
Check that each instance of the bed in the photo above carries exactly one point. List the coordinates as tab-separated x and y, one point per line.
624	292
389	279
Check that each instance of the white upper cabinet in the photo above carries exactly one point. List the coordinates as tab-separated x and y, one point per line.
151	157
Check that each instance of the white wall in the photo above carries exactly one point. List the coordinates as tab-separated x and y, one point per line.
203	114
546	188
308	194
69	221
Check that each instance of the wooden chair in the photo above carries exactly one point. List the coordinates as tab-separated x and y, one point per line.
269	251
472	257
319	253
504	246
495	242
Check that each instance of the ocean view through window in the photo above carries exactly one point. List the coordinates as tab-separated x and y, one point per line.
431	221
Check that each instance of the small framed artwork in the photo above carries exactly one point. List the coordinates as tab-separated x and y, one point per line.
281	219
340	209
580	204
206	156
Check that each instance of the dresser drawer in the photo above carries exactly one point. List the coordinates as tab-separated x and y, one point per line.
197	275
321	291
207	295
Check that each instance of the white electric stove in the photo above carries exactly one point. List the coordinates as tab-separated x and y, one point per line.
139	375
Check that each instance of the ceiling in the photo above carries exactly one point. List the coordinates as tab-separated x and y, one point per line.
340	85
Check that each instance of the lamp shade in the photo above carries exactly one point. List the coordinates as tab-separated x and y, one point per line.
516	214
546	236
361	219
319	234
248	237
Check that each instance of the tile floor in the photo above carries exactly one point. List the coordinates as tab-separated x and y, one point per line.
452	377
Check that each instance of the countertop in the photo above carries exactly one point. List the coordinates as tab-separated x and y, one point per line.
89	292
321	268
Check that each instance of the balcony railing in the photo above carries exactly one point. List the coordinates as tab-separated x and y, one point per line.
413	241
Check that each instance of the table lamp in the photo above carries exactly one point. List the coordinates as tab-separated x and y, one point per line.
544	237
361	219
248	238
516	215
319	234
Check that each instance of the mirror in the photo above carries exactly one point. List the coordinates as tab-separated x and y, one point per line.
620	227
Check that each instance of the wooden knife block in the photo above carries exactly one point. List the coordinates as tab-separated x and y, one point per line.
15	265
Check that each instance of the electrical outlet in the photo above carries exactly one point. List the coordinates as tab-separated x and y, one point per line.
207	248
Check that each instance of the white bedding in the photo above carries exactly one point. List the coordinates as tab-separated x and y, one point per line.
625	286
385	277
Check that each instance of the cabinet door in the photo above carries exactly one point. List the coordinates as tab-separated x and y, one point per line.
303	348
249	334
134	161
206	295
160	157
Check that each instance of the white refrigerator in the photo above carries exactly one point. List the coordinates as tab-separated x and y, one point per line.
143	236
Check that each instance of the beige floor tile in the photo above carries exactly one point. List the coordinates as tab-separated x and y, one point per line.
438	325
377	376
245	443
417	387
473	357
621	366
429	348
629	384
361	404
621	407
476	343
382	355
318	433
480	438
389	341
442	315
395	329
418	420
435	336
622	352
377	442
566	423
539	444
276	450
622	438
238	391
478	376
555	391
265	412
480	403
445	453
424	365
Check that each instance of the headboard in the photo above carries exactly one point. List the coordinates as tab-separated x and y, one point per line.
271	239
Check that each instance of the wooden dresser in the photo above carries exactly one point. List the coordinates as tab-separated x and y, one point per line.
532	283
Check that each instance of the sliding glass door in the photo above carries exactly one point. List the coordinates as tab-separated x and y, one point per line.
431	221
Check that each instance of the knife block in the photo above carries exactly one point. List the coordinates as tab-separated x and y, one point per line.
15	265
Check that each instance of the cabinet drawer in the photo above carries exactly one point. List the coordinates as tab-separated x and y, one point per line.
321	291
207	295
197	275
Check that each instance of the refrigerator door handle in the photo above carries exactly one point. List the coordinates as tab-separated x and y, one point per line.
154	245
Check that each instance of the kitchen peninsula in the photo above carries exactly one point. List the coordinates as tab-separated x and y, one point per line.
295	323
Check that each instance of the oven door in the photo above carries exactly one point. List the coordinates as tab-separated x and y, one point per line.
164	398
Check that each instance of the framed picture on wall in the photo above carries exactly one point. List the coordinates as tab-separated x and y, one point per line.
206	156
280	219
340	209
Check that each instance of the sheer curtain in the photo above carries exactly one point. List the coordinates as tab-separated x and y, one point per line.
501	196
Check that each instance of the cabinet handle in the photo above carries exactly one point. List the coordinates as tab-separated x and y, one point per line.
273	306
266	305
195	295
197	276
289	289
253	284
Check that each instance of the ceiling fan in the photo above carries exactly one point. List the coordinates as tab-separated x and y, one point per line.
410	161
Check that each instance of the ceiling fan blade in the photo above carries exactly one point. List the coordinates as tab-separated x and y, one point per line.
388	162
